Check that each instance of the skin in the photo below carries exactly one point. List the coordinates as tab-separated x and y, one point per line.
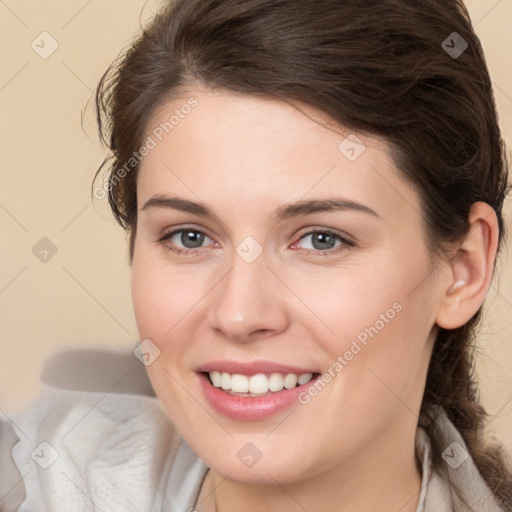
351	448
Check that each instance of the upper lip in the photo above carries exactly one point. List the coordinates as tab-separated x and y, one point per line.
251	367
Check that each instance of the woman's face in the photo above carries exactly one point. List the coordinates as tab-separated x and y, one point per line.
273	279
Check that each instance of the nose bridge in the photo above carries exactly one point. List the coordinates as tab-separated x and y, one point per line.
243	304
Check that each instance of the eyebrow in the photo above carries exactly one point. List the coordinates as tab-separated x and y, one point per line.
296	209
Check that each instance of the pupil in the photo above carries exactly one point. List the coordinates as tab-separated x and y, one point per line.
192	237
324	241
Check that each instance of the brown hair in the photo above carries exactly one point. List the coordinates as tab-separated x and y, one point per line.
379	67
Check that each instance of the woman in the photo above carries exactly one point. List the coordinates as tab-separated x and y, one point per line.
313	194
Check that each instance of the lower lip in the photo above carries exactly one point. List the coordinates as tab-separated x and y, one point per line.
250	408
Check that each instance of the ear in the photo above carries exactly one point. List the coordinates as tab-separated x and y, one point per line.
470	269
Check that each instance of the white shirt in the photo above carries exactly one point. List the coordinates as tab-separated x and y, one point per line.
81	451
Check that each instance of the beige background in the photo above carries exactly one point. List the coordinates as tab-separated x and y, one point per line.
81	296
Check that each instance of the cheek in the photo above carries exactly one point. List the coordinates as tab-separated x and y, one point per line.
162	298
163	307
346	303
374	327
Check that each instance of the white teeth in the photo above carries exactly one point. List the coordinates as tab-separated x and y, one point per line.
225	381
304	378
216	379
275	383
259	383
290	381
239	383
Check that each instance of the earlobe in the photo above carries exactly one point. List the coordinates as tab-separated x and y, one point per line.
470	270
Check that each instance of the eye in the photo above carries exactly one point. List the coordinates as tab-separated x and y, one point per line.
324	241
189	238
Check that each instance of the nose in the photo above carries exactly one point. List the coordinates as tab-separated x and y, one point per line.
248	303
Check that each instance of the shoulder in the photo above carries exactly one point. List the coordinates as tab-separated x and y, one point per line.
93	450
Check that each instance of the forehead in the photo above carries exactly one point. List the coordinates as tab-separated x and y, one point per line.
259	149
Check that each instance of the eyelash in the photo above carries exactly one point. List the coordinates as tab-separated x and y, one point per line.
314	252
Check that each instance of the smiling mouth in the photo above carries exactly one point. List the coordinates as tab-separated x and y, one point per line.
260	384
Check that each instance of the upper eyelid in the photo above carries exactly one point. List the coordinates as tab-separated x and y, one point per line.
345	239
168	234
